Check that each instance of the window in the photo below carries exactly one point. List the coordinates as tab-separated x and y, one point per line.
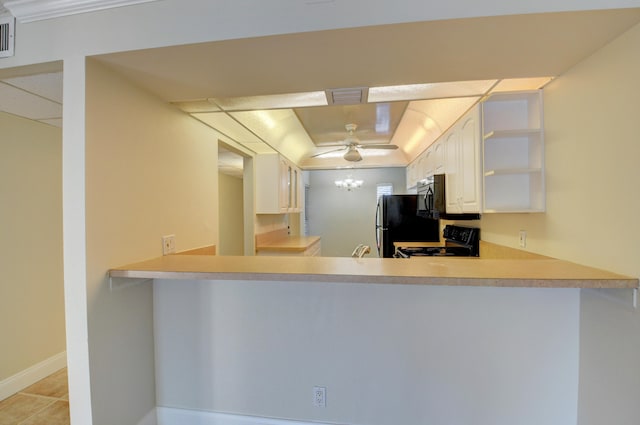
383	189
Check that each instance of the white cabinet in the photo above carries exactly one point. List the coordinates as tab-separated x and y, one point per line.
438	149
462	165
471	161
452	170
409	176
422	166
513	150
428	163
412	180
278	185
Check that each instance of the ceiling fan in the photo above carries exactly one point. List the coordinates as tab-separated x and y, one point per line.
352	144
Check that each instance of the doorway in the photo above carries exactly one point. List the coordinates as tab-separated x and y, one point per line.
32	310
230	201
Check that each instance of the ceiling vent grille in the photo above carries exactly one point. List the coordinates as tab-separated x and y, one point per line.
347	96
7	25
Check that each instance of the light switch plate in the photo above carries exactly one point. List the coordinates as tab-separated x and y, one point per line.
522	239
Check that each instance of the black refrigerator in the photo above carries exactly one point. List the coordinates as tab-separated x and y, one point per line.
397	220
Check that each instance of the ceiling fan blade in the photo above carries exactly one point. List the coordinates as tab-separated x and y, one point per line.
326	152
377	147
331	145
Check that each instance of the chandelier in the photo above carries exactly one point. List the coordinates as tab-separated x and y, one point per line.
349	183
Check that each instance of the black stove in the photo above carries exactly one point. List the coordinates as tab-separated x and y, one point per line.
459	242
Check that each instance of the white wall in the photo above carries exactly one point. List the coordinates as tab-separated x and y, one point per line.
387	354
150	171
345	219
31	288
145	25
231	241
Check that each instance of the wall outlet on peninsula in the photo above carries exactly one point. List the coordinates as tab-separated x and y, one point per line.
320	396
168	244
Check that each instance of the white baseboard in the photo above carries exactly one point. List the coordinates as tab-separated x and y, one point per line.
22	380
171	416
150	418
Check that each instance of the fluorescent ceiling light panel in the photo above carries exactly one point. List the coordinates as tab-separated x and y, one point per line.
279	128
276	101
430	91
382	117
520	84
426	120
56	122
48	86
258	147
19	102
227	126
196	106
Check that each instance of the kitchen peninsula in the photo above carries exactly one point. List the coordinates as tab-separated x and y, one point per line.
533	273
499	338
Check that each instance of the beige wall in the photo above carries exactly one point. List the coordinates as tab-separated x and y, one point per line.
150	171
31	287
231	216
593	146
592	150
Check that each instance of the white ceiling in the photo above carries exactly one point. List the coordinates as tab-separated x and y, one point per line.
37	10
36	97
200	77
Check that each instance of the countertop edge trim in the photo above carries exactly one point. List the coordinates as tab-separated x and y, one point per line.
376	279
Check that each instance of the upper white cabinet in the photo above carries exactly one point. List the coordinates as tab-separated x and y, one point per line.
438	149
513	149
463	162
417	170
411	178
278	185
428	163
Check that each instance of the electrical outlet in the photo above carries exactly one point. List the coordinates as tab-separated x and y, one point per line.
168	244
320	396
522	241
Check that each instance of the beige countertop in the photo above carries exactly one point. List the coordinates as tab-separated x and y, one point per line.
288	243
543	273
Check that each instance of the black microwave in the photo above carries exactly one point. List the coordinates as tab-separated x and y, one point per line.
431	197
432	200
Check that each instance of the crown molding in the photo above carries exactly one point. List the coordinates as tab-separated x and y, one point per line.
37	10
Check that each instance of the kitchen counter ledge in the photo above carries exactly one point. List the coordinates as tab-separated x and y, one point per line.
541	273
289	244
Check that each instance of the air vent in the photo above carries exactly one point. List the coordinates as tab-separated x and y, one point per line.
347	96
7	25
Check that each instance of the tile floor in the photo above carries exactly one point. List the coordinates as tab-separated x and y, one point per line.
44	403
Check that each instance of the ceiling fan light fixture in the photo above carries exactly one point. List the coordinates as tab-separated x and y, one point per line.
352	154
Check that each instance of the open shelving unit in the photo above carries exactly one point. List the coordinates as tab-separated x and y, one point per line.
513	153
